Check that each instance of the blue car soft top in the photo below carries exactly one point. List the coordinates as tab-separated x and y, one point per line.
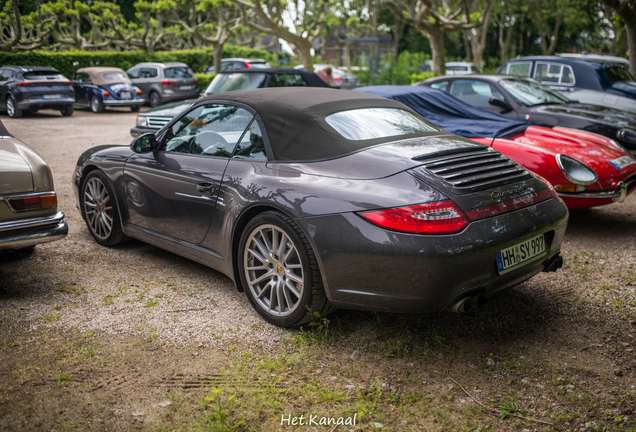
450	113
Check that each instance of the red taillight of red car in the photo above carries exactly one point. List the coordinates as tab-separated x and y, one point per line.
33	203
436	218
167	82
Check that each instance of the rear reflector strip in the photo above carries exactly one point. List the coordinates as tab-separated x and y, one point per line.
508	206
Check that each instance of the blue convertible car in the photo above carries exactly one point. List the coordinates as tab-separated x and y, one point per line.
100	87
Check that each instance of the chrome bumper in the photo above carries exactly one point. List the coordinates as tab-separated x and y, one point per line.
131	102
617	195
38	230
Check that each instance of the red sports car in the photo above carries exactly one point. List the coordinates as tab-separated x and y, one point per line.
585	168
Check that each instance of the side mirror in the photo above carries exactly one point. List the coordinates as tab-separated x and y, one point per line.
499	103
144	143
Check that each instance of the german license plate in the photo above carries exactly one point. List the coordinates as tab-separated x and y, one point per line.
52	96
189	87
622	162
517	256
125	95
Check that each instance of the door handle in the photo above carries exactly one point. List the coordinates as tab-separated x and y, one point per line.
205	187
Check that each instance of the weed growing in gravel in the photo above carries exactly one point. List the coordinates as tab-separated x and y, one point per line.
49	318
63	380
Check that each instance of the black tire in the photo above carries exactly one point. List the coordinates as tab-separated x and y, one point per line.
154	99
68	110
96	105
299	262
100	212
135	108
12	108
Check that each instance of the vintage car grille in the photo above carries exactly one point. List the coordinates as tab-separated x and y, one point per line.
158	122
471	169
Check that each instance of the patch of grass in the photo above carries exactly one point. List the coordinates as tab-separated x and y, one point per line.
63	380
49	318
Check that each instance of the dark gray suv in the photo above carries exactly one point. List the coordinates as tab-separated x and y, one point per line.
164	82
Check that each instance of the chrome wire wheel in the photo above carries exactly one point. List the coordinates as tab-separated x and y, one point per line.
273	270
98	208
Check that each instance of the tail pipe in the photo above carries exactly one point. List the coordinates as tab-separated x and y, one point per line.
468	303
553	264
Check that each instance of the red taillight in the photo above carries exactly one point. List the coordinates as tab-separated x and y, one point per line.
196	81
33	203
247	65
337	79
68	83
435	218
23	84
166	82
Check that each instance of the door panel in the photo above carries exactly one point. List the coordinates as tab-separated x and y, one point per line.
172	193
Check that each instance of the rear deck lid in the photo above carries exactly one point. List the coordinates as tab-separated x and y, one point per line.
15	172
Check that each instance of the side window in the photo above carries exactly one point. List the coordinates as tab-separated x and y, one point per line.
568	76
473	92
440	85
287	80
209	130
4	74
148	73
251	145
549	73
519	69
133	73
226	66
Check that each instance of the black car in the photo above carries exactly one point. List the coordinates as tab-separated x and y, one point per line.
527	100
593	79
32	88
155	118
310	199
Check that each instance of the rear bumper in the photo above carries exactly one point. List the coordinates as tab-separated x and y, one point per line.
29	104
367	267
124	103
24	233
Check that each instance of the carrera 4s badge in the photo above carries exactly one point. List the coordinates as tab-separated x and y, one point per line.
509	192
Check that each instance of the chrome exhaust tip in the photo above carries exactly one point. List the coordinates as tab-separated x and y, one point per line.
479	301
462	305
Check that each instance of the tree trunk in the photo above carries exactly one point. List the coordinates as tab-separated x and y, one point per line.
304	49
631	40
436	36
397	36
218	53
467	49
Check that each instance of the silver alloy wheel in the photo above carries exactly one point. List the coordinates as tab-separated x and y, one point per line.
98	208
10	107
274	270
95	104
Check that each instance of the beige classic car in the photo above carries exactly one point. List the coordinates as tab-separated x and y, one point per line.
28	204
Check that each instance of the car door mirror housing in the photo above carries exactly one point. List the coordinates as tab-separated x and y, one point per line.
144	143
499	103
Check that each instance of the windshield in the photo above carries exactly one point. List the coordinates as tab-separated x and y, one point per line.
530	93
370	123
235	81
617	74
43	74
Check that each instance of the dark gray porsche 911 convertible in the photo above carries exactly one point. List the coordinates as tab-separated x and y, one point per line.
312	199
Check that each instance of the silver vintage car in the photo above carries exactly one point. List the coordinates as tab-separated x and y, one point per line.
28	204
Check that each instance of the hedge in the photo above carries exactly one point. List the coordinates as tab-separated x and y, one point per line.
204	81
197	59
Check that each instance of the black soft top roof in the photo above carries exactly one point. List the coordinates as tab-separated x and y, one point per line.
312	79
295	119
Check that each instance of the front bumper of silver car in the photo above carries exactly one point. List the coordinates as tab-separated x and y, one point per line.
23	233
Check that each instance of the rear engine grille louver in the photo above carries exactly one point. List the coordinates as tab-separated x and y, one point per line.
470	169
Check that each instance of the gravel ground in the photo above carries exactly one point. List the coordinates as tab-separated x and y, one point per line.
118	290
